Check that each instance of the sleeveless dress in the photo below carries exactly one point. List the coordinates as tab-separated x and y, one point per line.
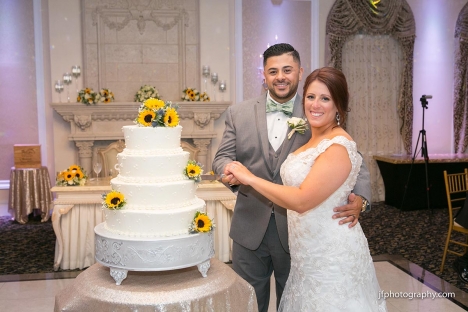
331	267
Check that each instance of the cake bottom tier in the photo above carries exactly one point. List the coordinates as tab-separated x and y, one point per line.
162	254
152	223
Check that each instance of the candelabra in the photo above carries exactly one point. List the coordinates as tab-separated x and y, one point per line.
76	72
205	73
222	88
214	81
67	79
59	89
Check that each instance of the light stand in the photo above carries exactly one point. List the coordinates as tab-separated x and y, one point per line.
424	154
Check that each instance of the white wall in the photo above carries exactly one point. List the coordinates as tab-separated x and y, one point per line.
433	61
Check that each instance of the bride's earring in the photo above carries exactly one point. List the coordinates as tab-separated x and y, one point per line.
337	119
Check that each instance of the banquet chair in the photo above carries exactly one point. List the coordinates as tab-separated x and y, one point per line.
109	157
191	149
456	186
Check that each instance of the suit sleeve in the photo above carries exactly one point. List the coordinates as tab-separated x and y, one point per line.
363	186
227	149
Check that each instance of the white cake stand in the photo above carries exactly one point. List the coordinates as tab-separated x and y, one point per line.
122	254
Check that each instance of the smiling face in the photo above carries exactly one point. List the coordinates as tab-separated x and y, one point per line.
282	75
319	107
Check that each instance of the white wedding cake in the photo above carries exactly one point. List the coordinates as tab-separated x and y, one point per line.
153	219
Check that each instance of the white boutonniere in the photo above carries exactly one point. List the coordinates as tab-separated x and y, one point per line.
298	125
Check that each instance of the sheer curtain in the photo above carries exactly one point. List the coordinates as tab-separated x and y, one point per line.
373	66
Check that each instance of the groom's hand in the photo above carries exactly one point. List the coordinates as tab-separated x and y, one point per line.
228	177
350	212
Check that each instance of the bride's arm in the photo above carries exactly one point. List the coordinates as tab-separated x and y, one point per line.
327	174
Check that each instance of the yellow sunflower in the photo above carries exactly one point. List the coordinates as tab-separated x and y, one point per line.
153	103
145	117
193	170
114	200
202	223
79	174
88	90
107	100
171	119
68	175
78	99
74	167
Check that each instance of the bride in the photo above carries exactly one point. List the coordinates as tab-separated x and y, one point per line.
331	267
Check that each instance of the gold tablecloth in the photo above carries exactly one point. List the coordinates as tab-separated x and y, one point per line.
29	190
178	290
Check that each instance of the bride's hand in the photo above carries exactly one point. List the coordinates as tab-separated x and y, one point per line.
240	172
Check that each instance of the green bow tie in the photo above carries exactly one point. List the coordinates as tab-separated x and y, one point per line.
286	108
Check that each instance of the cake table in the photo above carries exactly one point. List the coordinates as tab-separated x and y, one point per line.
177	290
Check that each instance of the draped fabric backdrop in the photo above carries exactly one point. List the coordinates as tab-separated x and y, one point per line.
373	67
372	43
460	105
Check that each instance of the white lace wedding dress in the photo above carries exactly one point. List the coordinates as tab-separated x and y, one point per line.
331	267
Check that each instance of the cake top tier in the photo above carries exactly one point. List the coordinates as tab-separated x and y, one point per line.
149	138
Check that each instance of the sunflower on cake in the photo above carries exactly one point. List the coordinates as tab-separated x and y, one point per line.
153	219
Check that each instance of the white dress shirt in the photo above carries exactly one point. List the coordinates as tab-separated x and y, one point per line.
277	125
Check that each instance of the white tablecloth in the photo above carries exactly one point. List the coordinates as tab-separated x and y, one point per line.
77	210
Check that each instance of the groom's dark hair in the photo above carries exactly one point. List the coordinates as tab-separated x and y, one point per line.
280	49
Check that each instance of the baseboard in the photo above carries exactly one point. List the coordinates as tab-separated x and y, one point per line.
4	184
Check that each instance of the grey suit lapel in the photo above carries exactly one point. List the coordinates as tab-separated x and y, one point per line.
262	131
288	143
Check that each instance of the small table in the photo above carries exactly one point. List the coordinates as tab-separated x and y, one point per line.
29	190
395	170
78	209
177	290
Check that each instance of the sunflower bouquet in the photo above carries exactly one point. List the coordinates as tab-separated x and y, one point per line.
204	97
106	96
190	94
73	176
88	96
201	223
157	113
113	200
193	170
146	92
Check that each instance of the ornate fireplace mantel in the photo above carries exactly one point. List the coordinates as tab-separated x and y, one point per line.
102	122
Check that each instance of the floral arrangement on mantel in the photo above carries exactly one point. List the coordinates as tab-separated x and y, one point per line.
193	170
146	92
157	113
113	200
106	96
88	96
73	176
204	97
201	223
190	94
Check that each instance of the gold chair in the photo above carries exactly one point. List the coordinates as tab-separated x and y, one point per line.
109	157
456	186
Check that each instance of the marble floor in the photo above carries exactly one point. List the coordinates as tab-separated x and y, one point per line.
398	278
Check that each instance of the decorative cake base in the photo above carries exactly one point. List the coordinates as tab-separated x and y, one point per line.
122	254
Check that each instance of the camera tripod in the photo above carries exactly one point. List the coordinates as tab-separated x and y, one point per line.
424	154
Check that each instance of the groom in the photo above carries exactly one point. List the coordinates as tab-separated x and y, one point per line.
256	135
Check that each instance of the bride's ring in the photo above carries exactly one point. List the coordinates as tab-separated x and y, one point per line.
354	217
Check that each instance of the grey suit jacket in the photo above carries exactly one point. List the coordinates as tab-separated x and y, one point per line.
245	139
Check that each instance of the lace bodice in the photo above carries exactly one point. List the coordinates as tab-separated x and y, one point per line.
331	267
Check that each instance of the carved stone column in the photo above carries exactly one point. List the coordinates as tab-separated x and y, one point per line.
202	145
85	153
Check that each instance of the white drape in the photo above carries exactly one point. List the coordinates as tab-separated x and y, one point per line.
373	66
77	228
